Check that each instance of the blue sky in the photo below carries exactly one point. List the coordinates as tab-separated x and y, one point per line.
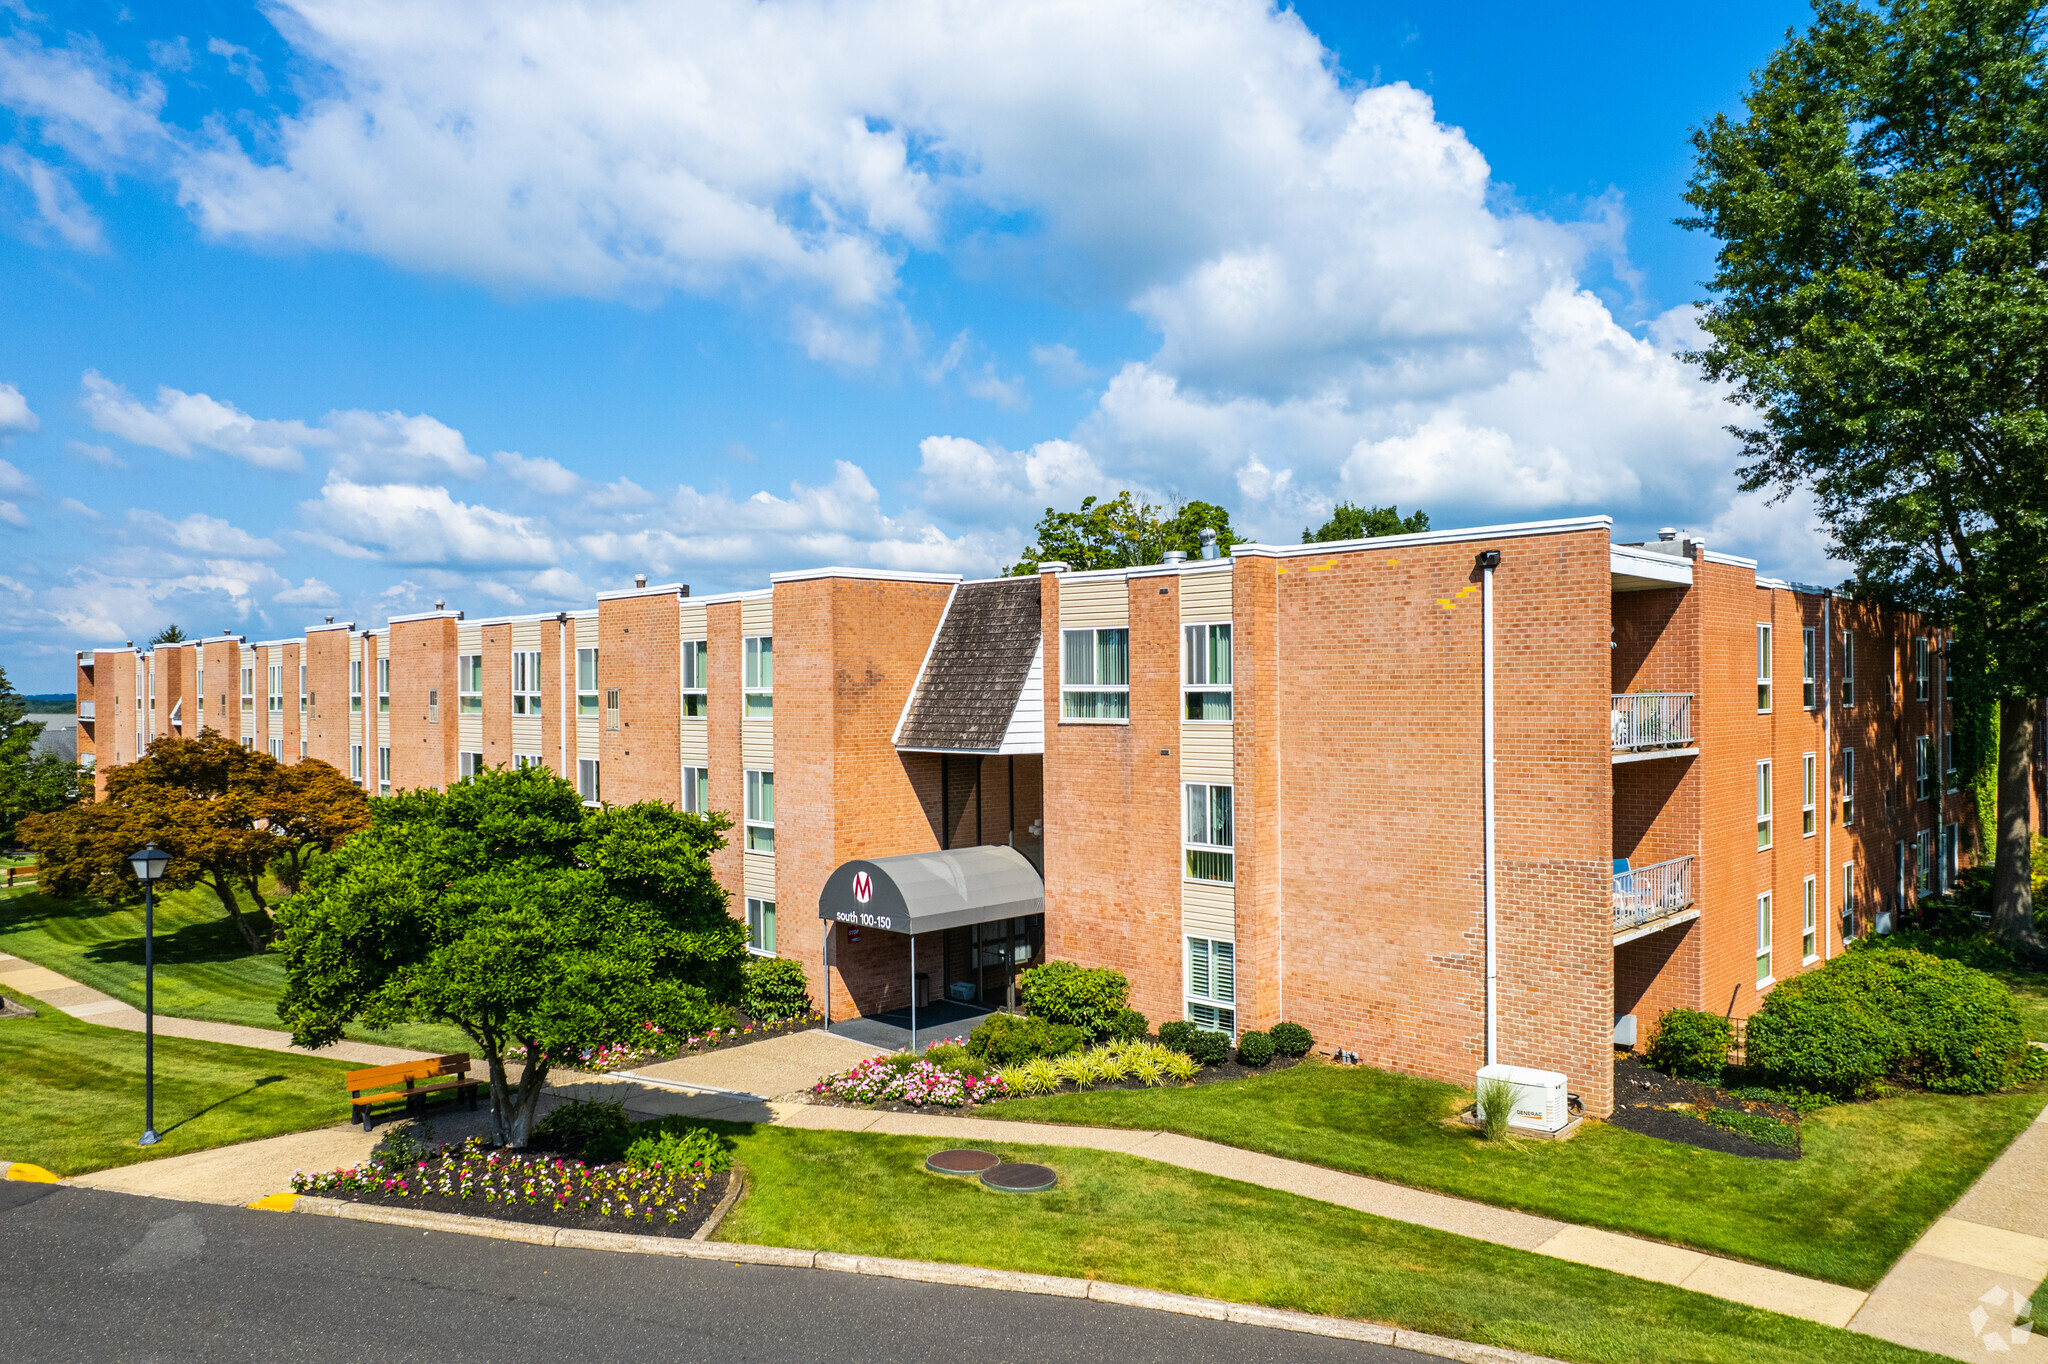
341	307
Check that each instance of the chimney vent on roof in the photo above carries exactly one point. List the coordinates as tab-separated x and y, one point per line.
131	644
1174	556
639	580
1209	550
330	620
1667	533
440	605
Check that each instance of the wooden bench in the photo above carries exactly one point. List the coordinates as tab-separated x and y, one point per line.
411	1084
24	876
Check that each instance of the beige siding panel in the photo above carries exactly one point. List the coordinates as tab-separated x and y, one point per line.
696	744
692	619
529	734
1206	752
1205	595
757	615
1208	910
587	735
469	733
757	745
1104	603
759	876
469	638
526	634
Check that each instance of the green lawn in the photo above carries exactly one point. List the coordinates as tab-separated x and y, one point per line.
202	968
1138	1222
2030	992
71	1093
1874	1176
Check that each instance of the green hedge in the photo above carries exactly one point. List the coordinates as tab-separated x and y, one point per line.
1086	997
1690	1044
1291	1039
1008	1040
1254	1049
775	988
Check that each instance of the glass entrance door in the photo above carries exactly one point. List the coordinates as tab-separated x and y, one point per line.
997	951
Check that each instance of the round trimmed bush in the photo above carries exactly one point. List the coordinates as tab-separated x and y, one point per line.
1690	1044
1008	1040
1254	1049
1174	1034
1129	1026
1084	997
775	989
1209	1048
1291	1039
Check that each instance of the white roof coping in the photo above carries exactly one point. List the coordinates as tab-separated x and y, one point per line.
423	615
275	643
1218	565
886	575
1715	556
1516	530
224	639
336	625
677	590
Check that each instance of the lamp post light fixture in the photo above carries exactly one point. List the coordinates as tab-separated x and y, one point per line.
149	865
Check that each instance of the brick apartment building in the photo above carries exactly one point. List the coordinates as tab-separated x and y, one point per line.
1257	784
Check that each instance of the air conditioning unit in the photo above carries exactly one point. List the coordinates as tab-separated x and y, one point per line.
1540	1100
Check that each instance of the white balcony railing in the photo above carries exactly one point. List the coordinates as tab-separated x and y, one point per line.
1645	894
1651	719
85	710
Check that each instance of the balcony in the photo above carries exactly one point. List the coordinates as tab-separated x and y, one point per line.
1651	724
1650	898
85	710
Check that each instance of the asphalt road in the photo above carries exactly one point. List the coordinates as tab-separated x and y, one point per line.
106	1277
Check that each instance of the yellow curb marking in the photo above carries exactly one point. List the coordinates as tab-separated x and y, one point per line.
30	1174
277	1202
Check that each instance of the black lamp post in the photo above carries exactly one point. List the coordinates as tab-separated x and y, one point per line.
149	867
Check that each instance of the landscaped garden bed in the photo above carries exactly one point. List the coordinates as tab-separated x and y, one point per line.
1658	1105
654	1045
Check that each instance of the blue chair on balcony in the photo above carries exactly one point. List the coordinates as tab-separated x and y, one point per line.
1628	903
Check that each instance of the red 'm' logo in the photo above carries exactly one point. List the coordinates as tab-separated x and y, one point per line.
863	887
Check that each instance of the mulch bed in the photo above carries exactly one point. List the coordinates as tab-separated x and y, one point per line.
682	1228
726	1042
1229	1070
1641	1104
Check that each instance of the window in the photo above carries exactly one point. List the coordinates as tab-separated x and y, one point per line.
522	761
277	749
586	780
383	771
760	811
1208	833
1848	668
1095	674
697	790
1763	939
1848	786
611	711
526	681
1809	918
355	763
302	745
758	676
469	684
1899	876
696	674
1952	779
1951	854
1207	675
1806	687
761	927
276	694
468	765
248	690
1923	766
433	705
383	686
1212	984
1763	669
1923	862
1848	901
1763	805
302	689
355	686
1923	671
586	682
1809	793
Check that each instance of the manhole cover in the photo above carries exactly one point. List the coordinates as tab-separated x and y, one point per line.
1020	1178
961	1162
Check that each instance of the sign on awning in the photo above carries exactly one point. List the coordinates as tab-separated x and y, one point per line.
923	892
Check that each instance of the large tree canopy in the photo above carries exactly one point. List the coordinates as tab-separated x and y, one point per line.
1124	533
506	907
1881	307
225	813
32	780
1349	522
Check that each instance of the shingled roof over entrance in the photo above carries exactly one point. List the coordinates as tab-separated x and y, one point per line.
981	688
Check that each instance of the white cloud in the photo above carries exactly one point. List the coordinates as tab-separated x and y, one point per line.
409	524
975	483
392	445
13	480
539	473
15	417
182	423
59	210
77	508
1062	364
559	584
96	454
240	62
13	515
206	535
310	592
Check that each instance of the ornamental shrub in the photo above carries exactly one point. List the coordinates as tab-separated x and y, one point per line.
1008	1040
594	1128
1690	1044
1129	1025
1174	1034
1291	1039
775	988
1210	1048
656	1144
1254	1049
1084	997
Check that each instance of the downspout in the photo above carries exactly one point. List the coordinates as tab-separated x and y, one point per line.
1488	561
1827	771
566	686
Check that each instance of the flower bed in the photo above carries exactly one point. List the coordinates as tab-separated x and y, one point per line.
655	1045
521	1186
901	1079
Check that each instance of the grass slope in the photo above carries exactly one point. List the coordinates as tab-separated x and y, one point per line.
71	1093
1139	1222
2030	992
1874	1177
202	968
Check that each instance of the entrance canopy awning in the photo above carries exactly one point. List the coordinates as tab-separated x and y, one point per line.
923	892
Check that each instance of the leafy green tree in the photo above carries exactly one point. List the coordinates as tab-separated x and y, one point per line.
507	908
1123	533
170	634
31	780
1362	523
1881	308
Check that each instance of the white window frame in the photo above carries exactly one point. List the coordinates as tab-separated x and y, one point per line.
355	763
1923	669
1764	832
1073	708
1809	920
469	684
383	686
1809	692
522	761
587	781
1951	853
302	747
1763	668
696	679
697	790
526	681
1210	1006
302	689
1848	910
1848	787
760	817
1201	830
274	676
1848	669
248	691
1198	680
760	927
611	710
586	684
355	686
1923	862
277	749
1951	779
1923	766
468	766
1809	794
1764	928
757	677
383	771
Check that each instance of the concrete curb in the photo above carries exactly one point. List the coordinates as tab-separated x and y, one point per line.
734	1187
25	1172
921	1271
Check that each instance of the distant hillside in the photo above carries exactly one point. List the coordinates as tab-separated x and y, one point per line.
51	703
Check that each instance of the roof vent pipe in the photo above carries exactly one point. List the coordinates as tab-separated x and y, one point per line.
1174	556
330	620
440	605
639	580
1668	534
1209	550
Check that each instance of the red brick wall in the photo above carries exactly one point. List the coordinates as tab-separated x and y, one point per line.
327	656
640	653
423	751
